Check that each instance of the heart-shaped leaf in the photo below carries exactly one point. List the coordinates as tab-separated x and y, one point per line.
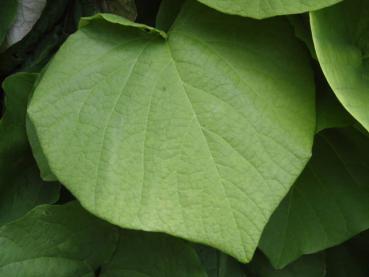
198	133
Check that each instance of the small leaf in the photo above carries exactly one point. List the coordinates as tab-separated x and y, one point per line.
198	133
329	202
150	254
343	53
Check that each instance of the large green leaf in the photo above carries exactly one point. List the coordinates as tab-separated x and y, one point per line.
198	133
343	53
21	188
328	204
8	13
267	8
55	241
141	254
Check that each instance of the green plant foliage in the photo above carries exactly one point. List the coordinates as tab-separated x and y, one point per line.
343	53
267	8
194	138
20	185
58	240
141	254
329	202
176	132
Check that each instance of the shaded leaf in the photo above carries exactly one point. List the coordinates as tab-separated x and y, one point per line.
343	53
56	239
306	266
330	112
8	13
125	8
218	264
301	26
350	258
167	14
20	185
329	202
151	254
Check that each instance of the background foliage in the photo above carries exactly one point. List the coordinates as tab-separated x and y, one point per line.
184	138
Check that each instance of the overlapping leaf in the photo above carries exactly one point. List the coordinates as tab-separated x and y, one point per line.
56	241
218	264
343	52
198	133
328	204
267	8
306	266
150	254
21	188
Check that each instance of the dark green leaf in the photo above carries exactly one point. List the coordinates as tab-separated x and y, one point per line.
329	202
349	259
140	254
306	266
58	240
21	188
168	12
218	264
341	38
